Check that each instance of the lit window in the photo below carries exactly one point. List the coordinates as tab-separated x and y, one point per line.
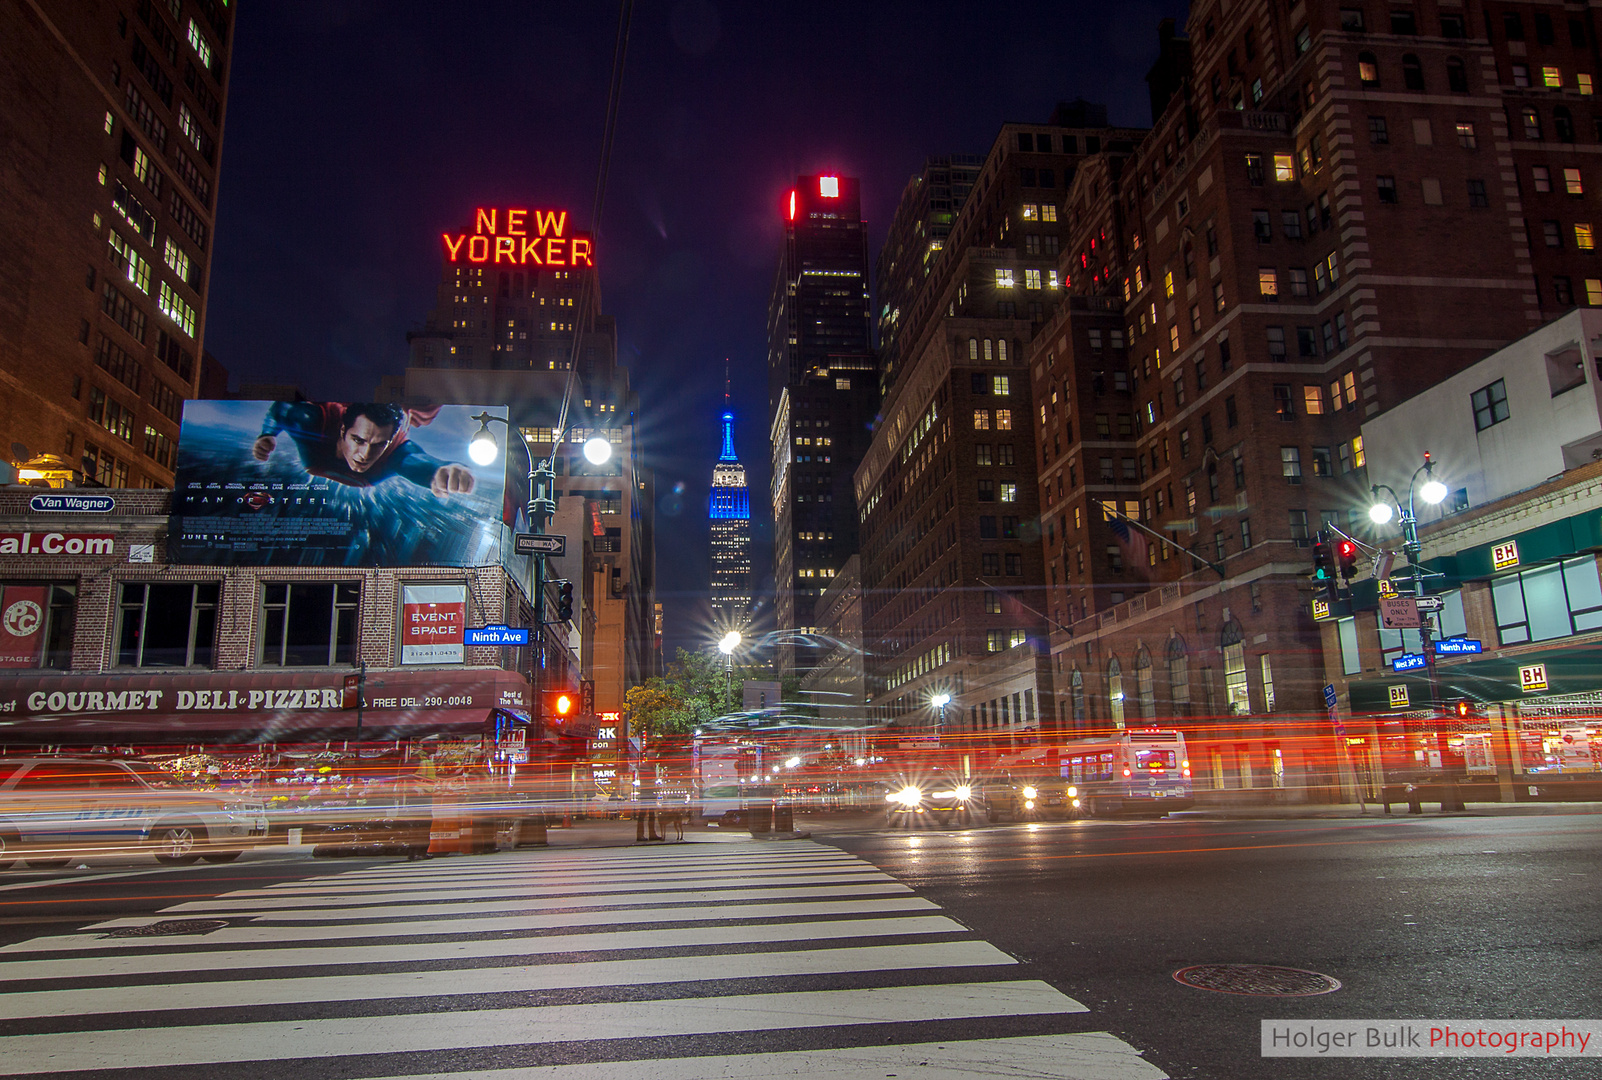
1031	212
981	419
1031	279
1049	212
1003	419
1173	338
1009	492
1593	291
1584	82
1268	283
1051	279
829	187
842	384
1552	78
1358	457
174	307
111	122
1001	385
1140	278
1312	400
1284	167
1582	236
1465	136
1168	285
1571	182
1003	278
198	42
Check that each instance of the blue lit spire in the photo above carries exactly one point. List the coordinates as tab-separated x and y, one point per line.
728	438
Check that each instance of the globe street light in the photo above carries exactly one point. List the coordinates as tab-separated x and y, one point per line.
729	642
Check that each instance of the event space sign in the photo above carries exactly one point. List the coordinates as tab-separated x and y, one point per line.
333	484
517	237
432	620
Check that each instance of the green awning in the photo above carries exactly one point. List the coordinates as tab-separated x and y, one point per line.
1569	670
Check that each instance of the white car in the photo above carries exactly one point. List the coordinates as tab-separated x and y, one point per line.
52	808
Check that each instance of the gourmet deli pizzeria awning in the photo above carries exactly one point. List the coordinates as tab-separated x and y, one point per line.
252	707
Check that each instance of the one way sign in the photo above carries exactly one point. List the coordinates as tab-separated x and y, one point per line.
539	544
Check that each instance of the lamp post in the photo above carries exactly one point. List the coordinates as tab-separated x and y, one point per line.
483	450
940	701
726	645
1433	492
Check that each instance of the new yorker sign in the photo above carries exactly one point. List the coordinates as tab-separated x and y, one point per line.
517	237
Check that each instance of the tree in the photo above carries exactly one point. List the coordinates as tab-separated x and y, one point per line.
694	690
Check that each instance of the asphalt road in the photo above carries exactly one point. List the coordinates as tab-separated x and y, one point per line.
1416	917
1432	917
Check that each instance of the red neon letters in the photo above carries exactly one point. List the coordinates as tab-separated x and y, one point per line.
520	238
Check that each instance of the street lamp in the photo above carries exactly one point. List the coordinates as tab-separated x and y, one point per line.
729	642
940	701
1433	492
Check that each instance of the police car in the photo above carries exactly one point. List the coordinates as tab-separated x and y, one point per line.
52	808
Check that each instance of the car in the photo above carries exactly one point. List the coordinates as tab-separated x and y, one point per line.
944	796
52	808
1026	794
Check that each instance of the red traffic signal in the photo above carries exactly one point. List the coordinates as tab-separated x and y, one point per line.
561	704
1346	558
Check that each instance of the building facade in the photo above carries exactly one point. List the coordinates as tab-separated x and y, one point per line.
823	393
729	517
952	580
529	334
115	128
1330	214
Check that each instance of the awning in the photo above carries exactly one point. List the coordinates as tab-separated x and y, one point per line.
1493	679
254	706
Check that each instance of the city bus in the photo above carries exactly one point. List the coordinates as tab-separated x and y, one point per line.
1138	771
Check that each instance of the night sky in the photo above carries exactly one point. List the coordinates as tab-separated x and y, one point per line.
359	130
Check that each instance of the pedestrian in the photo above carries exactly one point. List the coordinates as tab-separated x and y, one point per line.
645	812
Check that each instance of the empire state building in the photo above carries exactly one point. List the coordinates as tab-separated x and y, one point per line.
730	514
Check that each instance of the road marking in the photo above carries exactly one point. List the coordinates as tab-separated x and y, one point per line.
519	978
1090	1055
459	949
169	1047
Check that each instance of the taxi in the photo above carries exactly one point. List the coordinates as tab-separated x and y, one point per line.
52	808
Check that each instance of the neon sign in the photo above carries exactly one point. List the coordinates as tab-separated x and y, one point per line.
519	237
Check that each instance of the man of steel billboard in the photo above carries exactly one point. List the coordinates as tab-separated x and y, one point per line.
303	483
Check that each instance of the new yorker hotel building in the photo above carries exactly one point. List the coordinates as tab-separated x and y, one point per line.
823	392
113	130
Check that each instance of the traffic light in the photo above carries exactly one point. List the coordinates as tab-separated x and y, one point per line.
561	704
564	600
1324	568
1346	558
1466	709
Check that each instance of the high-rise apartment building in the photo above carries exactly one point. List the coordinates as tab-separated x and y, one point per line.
918	231
112	127
729	517
508	329
952	578
1339	205
823	394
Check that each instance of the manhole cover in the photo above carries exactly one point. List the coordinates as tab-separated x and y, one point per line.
1257	980
169	927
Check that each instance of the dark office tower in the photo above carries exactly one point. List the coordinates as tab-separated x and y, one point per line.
918	233
823	392
111	121
729	514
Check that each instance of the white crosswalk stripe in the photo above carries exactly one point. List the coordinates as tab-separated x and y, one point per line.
684	963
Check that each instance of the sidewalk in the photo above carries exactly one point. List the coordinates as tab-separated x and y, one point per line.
1398	809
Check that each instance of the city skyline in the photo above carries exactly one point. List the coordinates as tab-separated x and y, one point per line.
323	297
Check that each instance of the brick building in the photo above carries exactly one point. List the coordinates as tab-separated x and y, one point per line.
113	128
1330	214
106	643
952	577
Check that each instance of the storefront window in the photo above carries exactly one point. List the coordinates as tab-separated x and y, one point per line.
1346	630
1178	676
1145	692
36	621
1115	692
1550	601
1236	694
309	624
167	624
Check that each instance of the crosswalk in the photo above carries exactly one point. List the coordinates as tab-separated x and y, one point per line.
690	962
